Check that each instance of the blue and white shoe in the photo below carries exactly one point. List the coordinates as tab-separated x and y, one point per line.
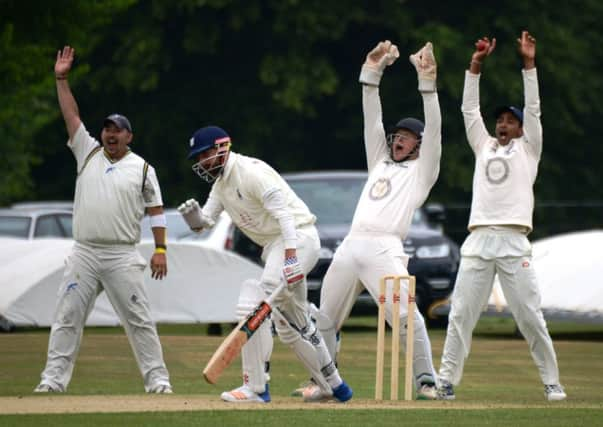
445	391
343	392
244	394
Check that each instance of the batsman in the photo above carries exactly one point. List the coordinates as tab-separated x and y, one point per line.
267	210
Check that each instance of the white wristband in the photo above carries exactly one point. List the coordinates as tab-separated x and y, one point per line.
158	221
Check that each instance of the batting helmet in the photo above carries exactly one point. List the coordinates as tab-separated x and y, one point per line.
205	138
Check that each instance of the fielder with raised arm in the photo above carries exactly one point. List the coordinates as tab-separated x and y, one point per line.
114	187
506	166
265	208
403	167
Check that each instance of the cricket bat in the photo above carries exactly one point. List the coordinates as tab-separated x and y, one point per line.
234	342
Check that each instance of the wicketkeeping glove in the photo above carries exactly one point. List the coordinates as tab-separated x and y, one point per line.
191	212
384	54
293	273
425	63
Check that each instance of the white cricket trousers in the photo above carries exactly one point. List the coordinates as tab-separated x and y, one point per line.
291	316
118	270
360	262
507	252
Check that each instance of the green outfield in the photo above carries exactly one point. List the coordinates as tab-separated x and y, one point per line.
500	386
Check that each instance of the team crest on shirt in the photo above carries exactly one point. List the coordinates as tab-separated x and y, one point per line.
497	170
381	188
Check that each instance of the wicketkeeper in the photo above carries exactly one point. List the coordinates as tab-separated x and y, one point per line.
267	210
403	166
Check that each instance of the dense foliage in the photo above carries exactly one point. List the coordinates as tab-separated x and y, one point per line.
281	77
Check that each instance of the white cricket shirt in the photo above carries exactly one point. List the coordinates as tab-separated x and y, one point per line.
504	175
394	190
109	199
243	191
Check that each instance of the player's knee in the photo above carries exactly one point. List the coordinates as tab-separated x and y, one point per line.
285	332
323	321
250	296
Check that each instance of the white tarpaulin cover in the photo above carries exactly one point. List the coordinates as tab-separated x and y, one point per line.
569	269
202	284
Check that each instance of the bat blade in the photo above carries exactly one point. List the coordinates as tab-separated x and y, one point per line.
234	342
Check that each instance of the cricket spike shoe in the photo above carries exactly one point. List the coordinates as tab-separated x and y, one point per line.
46	388
341	393
244	394
554	392
445	391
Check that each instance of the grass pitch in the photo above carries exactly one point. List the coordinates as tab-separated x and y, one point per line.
500	386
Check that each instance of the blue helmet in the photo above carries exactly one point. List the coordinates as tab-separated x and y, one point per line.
205	138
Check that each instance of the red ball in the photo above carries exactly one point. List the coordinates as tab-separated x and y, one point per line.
482	45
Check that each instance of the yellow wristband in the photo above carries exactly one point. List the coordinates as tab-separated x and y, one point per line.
160	250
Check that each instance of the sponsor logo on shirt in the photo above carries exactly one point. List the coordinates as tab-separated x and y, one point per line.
109	169
380	189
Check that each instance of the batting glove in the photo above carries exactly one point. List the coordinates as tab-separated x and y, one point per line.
293	272
425	63
191	212
384	54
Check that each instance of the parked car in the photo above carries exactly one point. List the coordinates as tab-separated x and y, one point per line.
36	222
332	196
219	236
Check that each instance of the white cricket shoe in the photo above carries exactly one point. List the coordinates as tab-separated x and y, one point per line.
244	394
46	388
313	393
554	392
162	389
427	392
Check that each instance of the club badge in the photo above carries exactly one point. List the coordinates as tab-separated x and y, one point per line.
380	189
497	170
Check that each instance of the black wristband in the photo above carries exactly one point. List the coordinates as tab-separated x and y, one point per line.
160	246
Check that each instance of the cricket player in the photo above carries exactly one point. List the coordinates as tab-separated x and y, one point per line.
113	189
265	208
403	166
501	217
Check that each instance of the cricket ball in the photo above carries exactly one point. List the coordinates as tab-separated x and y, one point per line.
482	45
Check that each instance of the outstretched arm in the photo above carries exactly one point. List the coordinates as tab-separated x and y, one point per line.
384	54
431	145
69	108
532	128
474	124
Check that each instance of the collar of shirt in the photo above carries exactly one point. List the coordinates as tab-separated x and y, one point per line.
228	167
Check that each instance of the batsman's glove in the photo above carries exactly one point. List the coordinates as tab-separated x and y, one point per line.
191	212
425	63
384	54
293	273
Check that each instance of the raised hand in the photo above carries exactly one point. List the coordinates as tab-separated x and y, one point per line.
64	62
527	46
384	54
483	48
425	64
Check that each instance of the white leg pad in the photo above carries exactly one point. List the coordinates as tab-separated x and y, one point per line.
309	349
423	369
256	353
